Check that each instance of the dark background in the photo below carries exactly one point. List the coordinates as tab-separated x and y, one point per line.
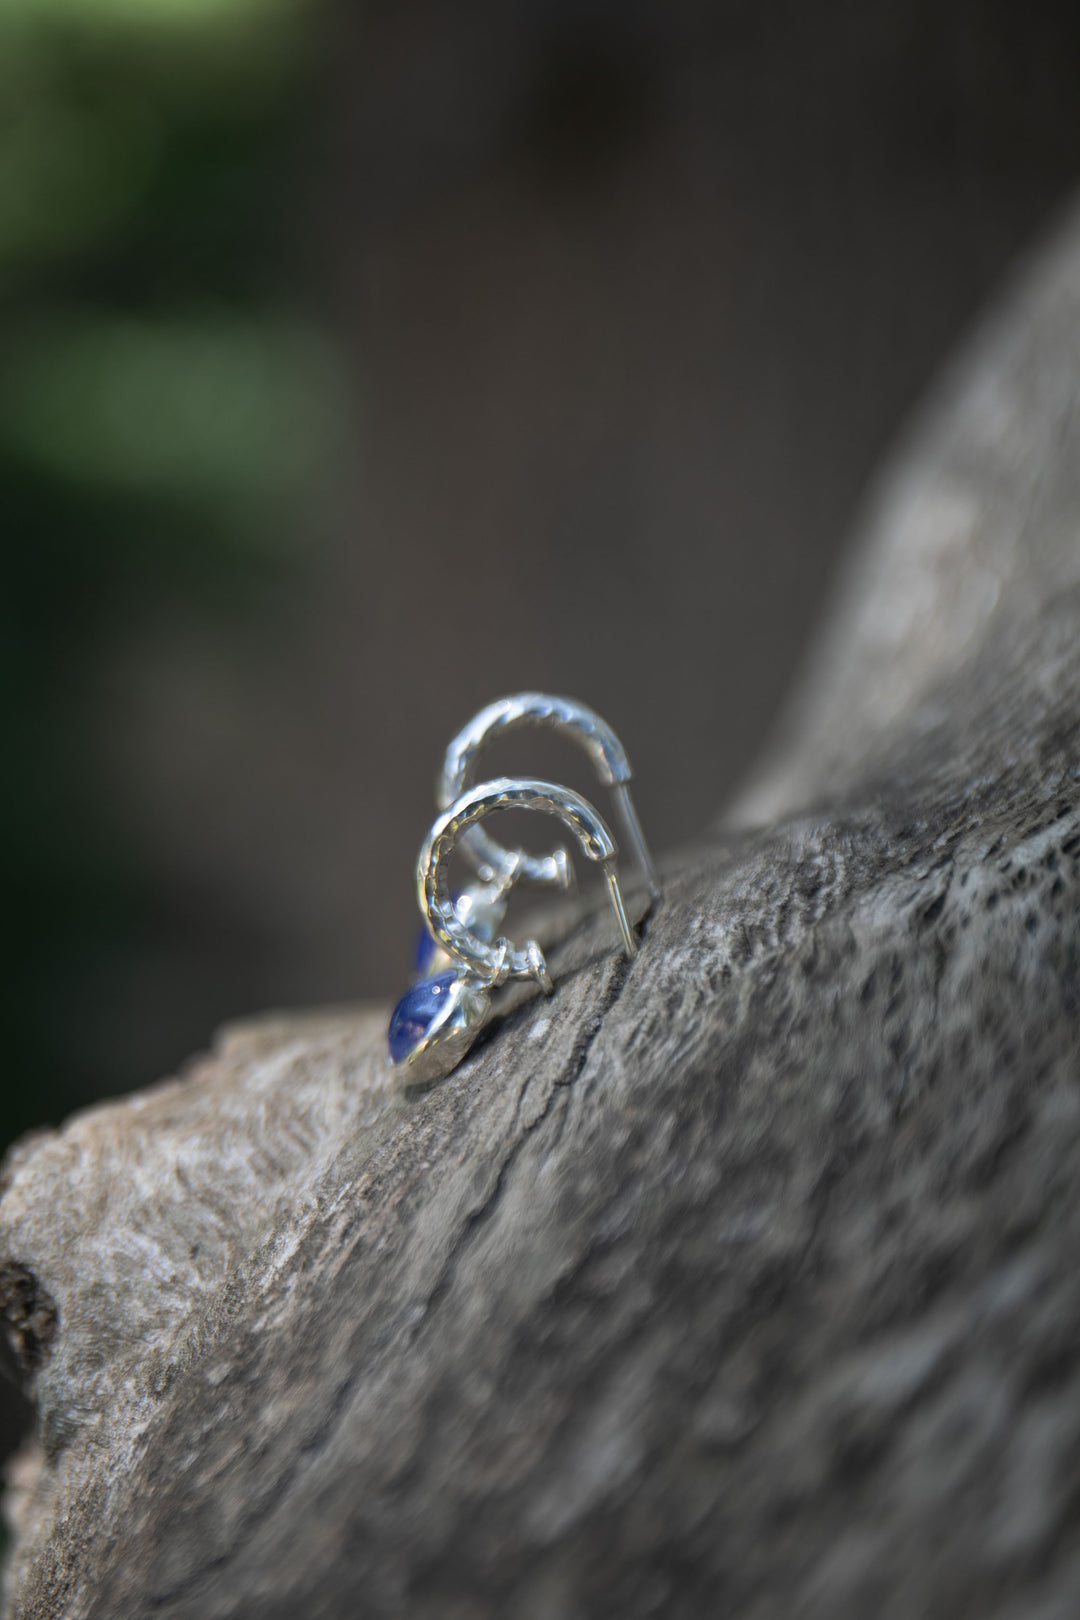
361	364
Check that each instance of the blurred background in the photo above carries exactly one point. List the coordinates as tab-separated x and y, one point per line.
360	364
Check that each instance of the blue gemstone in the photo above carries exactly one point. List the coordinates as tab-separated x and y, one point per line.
416	1012
425	952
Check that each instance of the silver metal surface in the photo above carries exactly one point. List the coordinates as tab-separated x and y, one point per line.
496	962
582	726
481	907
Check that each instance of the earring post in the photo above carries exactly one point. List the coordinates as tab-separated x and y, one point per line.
629	942
635	837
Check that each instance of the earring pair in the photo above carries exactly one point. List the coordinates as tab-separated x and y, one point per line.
435	1023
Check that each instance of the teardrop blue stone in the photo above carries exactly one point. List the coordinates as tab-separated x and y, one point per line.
416	1012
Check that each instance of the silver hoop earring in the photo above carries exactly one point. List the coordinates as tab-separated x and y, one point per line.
435	1023
582	726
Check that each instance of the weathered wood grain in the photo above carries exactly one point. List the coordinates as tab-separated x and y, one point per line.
739	1280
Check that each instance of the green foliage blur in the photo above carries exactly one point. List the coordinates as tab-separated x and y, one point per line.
164	407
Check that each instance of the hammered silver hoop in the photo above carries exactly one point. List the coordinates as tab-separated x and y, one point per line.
494	963
582	726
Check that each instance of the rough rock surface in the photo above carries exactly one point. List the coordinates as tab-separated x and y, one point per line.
739	1280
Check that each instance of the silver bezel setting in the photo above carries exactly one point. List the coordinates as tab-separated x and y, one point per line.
450	1034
